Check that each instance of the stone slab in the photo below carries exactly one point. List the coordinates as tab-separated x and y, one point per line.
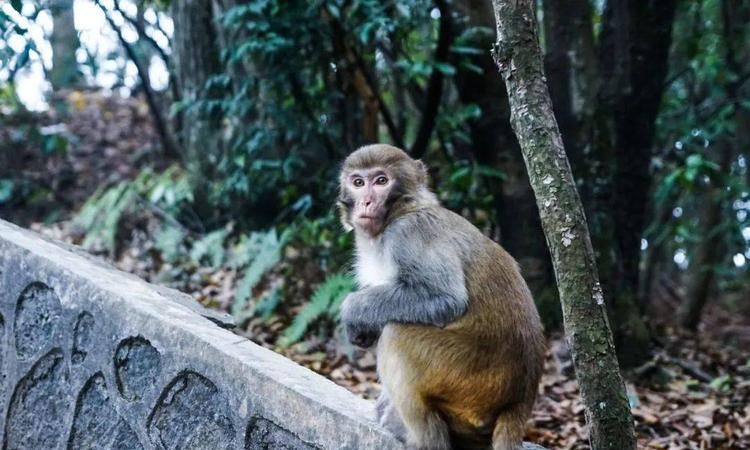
92	358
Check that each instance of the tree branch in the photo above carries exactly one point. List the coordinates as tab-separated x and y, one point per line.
167	142
435	85
142	35
353	57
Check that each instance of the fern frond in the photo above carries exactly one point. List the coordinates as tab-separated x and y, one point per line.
269	247
325	301
211	247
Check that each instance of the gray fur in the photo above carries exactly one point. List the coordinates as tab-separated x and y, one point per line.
388	417
429	288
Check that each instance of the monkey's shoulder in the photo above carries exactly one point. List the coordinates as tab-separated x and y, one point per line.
434	226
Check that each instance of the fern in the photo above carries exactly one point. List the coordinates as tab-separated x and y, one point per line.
325	301
168	241
101	214
99	218
268	248
211	247
264	308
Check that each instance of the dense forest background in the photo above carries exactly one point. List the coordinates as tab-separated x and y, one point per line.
196	143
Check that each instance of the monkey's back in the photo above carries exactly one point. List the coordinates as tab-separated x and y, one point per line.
487	362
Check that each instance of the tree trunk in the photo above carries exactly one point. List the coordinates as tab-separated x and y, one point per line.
518	57
633	61
197	59
702	276
64	42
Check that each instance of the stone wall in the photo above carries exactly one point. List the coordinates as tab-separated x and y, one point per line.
92	358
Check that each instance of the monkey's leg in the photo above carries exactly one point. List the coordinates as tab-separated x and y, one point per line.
510	427
388	417
426	430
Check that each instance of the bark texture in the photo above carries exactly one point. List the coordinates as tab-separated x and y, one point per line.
196	60
64	42
518	57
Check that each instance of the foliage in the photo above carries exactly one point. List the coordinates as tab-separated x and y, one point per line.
12	27
698	130
467	187
324	303
288	125
258	253
100	217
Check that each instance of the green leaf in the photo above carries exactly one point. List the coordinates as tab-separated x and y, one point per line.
168	241
6	190
466	50
490	172
17	5
268	304
445	68
721	383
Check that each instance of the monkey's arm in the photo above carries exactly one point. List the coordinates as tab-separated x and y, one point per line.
429	290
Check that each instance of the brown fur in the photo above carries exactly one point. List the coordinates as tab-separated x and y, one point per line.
473	383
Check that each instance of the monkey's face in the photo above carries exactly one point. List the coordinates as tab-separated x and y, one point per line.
375	181
367	195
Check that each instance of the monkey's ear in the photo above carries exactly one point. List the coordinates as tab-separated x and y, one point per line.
344	205
422	173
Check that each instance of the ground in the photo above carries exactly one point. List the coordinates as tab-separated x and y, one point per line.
693	394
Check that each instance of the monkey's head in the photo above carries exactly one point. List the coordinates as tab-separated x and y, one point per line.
378	183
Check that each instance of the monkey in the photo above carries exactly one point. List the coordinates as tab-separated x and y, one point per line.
460	346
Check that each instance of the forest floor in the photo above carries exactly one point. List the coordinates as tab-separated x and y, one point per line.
694	393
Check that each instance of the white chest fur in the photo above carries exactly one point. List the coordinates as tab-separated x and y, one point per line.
375	265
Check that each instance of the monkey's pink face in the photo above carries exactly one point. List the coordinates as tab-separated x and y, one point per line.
370	192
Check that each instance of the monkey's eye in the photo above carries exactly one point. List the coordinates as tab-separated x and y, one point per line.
381	180
358	182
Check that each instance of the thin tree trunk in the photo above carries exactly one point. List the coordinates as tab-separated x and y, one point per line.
196	57
518	57
702	277
64	42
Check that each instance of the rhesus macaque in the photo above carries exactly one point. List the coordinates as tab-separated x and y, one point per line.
460	346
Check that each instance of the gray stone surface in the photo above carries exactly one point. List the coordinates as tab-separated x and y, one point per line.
94	359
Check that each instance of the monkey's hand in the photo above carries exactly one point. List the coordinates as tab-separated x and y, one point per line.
361	332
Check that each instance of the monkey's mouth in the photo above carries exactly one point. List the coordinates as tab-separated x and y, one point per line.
368	223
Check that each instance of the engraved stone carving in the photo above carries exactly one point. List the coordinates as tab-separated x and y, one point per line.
137	367
82	334
37	321
191	414
39	406
96	425
262	434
